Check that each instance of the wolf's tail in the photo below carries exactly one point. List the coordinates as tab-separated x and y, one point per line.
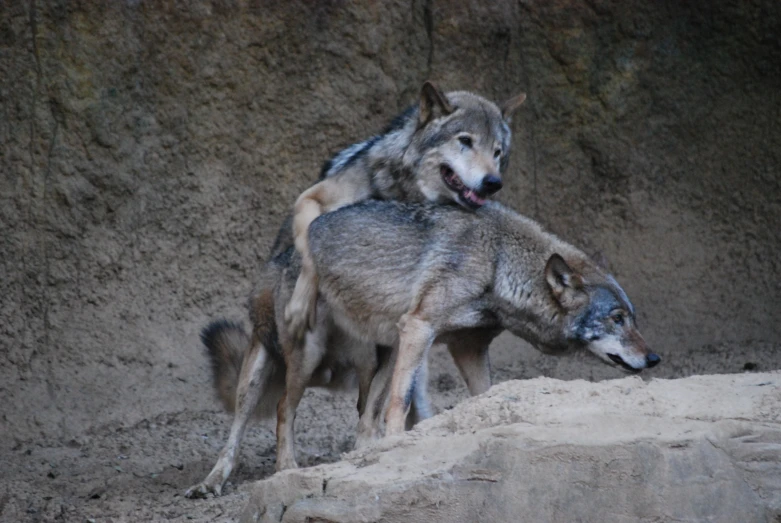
226	343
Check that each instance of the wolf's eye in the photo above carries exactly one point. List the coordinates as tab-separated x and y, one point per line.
465	141
618	319
497	153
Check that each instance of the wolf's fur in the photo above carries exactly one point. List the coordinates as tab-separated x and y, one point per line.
451	147
411	275
447	148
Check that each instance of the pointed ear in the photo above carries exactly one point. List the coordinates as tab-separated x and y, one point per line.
601	260
565	284
511	105
433	104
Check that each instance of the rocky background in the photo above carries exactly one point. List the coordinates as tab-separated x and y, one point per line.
150	150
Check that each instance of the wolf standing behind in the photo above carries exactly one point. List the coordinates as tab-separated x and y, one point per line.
448	148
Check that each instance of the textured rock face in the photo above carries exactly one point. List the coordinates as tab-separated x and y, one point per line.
150	150
695	449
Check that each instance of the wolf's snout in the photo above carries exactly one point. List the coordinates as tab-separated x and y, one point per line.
618	360
491	184
652	360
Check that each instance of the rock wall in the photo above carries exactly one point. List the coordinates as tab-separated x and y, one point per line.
149	151
694	449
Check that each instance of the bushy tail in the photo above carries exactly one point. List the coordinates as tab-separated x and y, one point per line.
226	346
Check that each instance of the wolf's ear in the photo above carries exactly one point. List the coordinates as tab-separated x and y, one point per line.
433	104
509	107
565	284
601	260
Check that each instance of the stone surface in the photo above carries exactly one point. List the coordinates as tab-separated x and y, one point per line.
149	151
704	448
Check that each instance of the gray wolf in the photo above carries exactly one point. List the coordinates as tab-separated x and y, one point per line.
450	147
408	276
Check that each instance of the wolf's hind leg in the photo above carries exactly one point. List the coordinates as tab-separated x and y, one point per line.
470	353
302	360
366	369
255	372
371	399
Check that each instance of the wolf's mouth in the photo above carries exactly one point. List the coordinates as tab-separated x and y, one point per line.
620	361
467	196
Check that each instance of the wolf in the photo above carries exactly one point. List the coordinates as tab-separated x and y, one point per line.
410	275
407	276
448	148
451	147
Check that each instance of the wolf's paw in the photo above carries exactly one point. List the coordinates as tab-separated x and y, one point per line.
395	421
286	464
363	440
203	491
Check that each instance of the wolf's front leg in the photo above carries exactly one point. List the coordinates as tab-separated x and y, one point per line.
415	338
342	189
300	310
420	407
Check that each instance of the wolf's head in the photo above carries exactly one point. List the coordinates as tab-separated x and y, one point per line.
461	146
599	315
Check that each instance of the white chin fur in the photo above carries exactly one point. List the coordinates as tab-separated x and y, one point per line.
430	193
611	345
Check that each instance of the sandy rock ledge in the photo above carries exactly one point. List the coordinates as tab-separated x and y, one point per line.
705	448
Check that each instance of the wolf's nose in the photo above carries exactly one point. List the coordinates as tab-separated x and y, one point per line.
652	360
491	184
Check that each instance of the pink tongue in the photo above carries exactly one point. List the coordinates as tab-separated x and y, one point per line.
472	197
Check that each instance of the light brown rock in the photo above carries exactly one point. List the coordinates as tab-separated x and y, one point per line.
705	448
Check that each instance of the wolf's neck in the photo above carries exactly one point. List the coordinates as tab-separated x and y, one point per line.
391	179
525	305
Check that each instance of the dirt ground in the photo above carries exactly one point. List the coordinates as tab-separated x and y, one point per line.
149	152
139	472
